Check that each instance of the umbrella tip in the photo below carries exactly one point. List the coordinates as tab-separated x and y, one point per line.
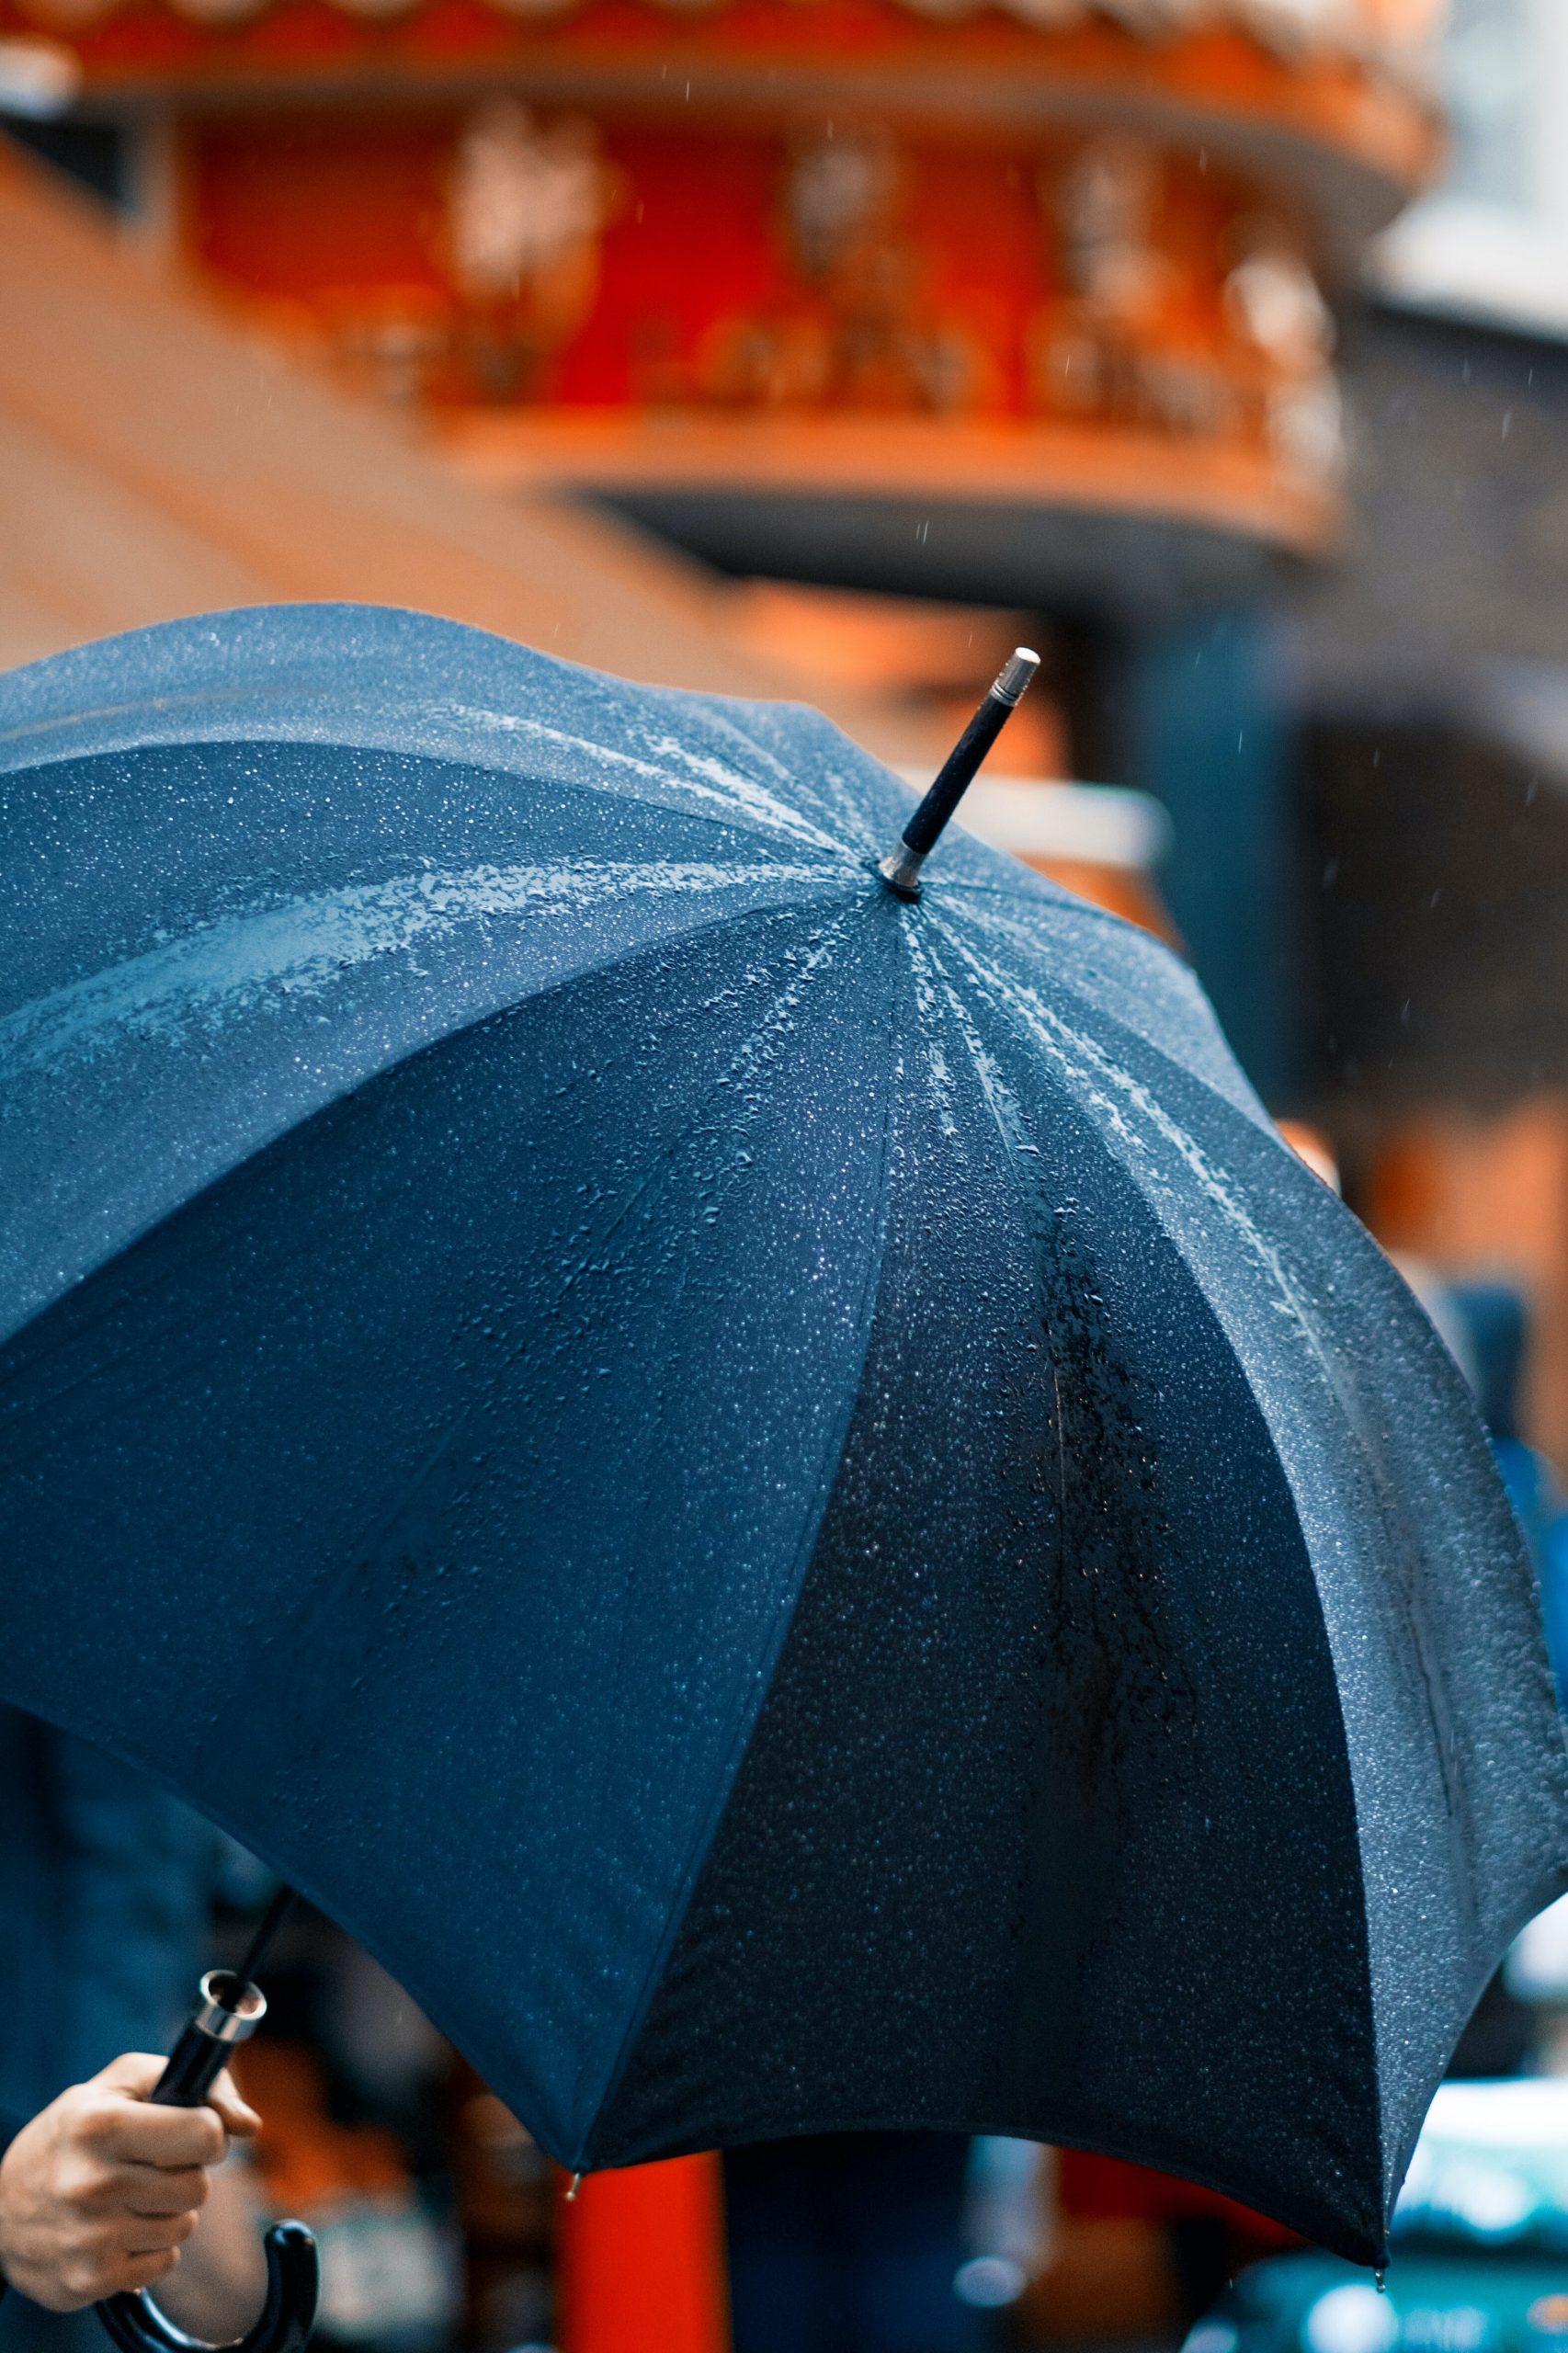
901	868
573	2187
1017	676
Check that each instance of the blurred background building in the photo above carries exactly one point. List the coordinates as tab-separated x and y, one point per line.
1016	306
825	348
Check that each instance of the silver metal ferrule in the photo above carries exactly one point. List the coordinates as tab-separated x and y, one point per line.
227	2011
901	870
1015	675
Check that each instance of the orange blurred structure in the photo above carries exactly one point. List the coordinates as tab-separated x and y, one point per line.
1031	268
1470	1196
641	2261
305	2158
153	464
1112	2272
936	263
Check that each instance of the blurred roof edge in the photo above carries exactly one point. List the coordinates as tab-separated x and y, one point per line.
154	463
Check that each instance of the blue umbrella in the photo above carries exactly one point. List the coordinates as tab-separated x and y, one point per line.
780	1495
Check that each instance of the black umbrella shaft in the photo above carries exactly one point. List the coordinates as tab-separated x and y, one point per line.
192	2068
271	1920
957	774
229	2010
902	871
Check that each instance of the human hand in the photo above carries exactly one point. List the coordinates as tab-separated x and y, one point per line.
102	2189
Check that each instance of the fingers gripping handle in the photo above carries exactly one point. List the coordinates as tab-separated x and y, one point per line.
229	2010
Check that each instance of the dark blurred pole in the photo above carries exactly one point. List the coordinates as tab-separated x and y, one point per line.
1196	713
94	152
1088	675
1212	736
850	2243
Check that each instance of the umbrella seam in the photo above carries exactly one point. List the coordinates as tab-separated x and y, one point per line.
346	738
463	1028
1006	996
778	1631
788	995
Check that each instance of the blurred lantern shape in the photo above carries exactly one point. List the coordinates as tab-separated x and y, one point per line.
784	1498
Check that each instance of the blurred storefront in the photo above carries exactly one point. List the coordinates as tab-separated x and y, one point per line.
1021	304
923	327
800	281
154	461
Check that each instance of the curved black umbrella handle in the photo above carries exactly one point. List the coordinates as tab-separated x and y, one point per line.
229	2010
293	2279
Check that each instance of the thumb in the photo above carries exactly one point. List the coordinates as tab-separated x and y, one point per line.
239	2120
134	2072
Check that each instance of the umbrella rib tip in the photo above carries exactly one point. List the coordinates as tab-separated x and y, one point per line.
1017	676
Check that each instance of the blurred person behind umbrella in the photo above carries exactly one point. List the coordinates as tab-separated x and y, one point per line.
1493	1321
850	2243
1485	1325
107	1888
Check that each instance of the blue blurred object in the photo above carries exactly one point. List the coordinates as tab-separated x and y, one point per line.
1479	2237
789	1504
1493	1324
103	1930
850	2243
1533	1491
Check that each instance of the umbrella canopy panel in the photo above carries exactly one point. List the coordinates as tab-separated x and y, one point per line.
789	1504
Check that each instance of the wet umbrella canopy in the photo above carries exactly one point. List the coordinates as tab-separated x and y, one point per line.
786	1501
